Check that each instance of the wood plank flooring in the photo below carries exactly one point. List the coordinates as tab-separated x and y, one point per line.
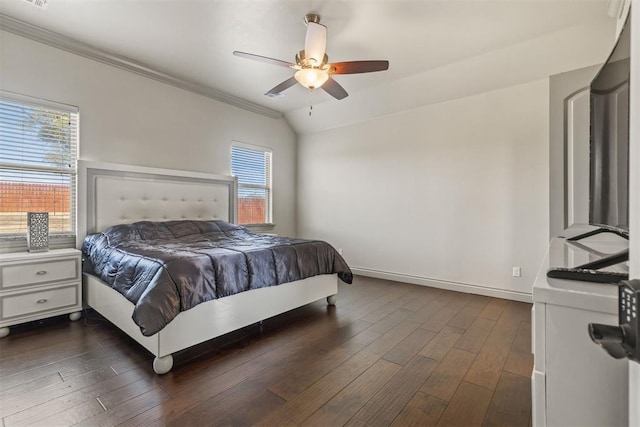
388	354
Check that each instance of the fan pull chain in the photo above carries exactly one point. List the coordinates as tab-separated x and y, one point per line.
310	102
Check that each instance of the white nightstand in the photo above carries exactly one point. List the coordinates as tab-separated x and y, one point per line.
36	285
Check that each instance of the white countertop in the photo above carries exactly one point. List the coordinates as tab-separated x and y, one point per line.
601	297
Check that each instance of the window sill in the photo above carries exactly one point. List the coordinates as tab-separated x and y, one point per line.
19	244
258	228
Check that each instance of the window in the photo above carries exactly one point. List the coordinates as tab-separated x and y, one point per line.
252	166
38	154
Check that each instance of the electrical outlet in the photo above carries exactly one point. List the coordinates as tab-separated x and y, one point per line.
516	272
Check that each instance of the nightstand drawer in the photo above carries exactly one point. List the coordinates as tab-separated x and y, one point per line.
30	303
40	272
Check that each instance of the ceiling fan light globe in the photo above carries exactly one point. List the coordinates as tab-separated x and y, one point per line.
315	43
311	78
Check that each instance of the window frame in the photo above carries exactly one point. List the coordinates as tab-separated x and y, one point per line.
269	223
18	241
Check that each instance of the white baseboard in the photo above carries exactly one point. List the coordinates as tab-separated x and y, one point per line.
443	284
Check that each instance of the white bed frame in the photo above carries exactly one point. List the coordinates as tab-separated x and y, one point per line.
110	194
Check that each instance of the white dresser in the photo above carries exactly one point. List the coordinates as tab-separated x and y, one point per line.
38	285
574	382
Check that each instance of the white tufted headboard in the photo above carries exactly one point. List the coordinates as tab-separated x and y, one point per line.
110	194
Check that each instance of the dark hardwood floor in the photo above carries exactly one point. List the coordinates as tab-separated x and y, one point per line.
388	354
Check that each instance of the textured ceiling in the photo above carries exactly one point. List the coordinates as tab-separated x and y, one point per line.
437	50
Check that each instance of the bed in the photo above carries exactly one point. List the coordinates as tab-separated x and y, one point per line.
114	194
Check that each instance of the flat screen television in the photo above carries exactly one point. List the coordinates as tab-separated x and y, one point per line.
608	163
609	139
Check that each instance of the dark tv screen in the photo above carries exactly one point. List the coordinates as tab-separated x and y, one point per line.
609	138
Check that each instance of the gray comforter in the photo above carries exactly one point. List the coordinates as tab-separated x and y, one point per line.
168	267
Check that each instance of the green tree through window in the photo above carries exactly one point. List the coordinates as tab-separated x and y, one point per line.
38	154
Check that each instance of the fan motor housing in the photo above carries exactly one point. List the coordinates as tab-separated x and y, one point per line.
302	61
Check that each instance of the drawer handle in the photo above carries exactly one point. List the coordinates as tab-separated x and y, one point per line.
41	301
41	272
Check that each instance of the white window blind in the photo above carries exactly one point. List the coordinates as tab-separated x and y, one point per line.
38	154
252	166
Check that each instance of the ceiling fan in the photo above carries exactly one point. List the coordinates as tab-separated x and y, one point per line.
312	66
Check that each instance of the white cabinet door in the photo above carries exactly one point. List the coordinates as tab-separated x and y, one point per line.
585	386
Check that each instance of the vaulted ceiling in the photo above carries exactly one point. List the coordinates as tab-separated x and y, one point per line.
438	49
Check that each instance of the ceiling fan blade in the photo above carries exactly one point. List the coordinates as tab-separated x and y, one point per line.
264	59
334	89
282	86
315	43
355	67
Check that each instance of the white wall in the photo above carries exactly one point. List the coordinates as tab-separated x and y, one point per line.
456	192
126	118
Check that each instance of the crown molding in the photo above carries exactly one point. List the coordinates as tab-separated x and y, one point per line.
59	41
